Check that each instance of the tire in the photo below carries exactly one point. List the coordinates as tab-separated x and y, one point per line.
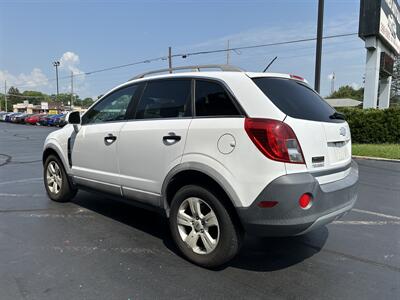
61	190
223	240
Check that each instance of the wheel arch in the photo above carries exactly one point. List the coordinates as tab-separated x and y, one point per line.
198	174
53	149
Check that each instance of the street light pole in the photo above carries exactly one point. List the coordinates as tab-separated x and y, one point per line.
5	94
170	59
72	91
320	30
56	64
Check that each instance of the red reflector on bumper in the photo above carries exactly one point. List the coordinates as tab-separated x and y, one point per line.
267	204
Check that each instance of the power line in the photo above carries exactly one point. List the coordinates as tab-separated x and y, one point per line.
184	55
266	45
101	70
23	96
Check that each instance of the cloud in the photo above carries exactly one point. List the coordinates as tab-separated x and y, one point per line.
37	80
355	85
34	79
69	61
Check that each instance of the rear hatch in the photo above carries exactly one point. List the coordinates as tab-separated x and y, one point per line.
323	134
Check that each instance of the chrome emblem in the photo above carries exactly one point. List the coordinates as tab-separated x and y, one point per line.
342	131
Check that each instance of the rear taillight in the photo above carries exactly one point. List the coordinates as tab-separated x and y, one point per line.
275	139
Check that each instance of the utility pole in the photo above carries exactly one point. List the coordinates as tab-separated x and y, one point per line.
320	29
227	54
72	90
170	59
333	82
5	94
56	64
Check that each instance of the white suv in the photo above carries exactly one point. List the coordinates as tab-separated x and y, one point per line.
219	153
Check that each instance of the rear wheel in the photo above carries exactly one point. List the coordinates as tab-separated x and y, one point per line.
202	227
56	180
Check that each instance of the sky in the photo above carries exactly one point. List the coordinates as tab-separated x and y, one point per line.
89	35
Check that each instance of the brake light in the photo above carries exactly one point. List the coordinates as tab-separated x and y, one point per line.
267	204
275	139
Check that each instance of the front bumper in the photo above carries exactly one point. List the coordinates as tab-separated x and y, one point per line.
331	201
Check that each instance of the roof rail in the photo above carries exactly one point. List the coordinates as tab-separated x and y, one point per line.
225	68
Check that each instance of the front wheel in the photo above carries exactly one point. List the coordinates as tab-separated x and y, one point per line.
56	180
202	227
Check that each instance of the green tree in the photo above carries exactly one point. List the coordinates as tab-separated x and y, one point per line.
348	92
2	103
62	97
35	97
87	102
395	89
13	97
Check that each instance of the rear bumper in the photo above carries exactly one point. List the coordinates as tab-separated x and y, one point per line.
331	201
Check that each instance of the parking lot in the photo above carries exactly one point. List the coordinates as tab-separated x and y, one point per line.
96	248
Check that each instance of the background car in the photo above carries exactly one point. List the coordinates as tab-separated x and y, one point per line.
14	119
33	119
9	116
2	115
51	120
21	118
57	119
44	119
63	120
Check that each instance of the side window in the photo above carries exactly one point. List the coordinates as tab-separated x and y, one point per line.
165	99
112	108
213	100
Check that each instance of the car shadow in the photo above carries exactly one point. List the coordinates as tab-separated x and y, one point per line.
276	253
257	253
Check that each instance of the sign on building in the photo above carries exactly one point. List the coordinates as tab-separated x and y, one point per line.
381	18
379	27
44	105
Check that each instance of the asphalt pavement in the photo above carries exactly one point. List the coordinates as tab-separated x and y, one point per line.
98	248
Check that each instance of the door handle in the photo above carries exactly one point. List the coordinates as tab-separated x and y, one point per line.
171	137
109	139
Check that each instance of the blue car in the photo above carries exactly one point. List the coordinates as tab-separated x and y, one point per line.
51	119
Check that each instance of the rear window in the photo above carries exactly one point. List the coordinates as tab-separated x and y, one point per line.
296	99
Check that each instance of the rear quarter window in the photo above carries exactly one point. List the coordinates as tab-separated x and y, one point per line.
211	99
296	99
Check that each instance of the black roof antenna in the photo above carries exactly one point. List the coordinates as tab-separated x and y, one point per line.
272	61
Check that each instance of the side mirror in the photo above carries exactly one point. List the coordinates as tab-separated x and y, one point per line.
74	118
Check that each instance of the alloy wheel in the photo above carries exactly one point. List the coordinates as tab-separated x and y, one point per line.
54	177
198	225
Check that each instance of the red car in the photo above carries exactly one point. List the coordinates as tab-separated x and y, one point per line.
34	119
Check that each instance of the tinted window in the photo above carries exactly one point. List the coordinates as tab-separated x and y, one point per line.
213	100
165	99
112	108
296	99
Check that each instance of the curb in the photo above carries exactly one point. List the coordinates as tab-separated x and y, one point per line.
377	158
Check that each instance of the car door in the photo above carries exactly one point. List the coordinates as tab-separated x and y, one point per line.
152	143
94	147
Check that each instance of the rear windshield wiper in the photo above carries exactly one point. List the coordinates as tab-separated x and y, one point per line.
337	115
